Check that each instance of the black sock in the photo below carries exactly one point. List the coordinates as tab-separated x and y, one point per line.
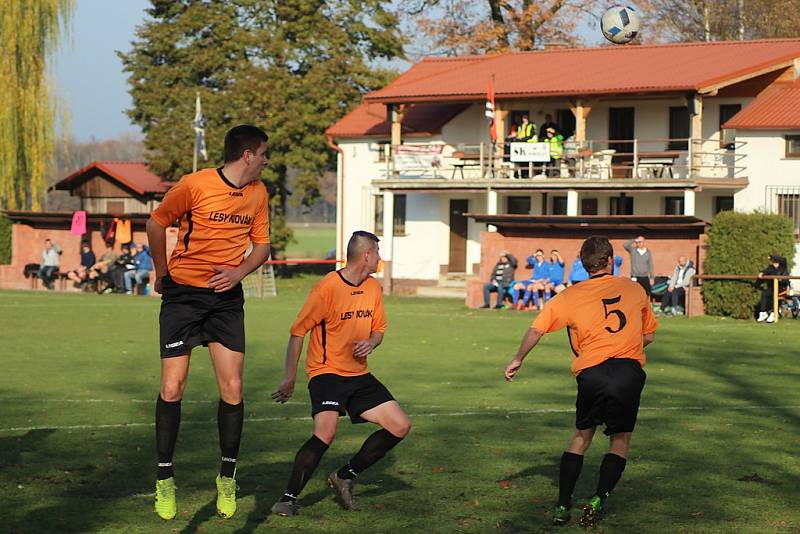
230	418
305	463
610	472
568	474
168	420
374	448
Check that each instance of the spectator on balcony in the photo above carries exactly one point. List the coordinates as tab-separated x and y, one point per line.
577	273
776	267
556	272
641	263
556	142
548	123
679	284
526	131
50	263
501	279
80	275
143	264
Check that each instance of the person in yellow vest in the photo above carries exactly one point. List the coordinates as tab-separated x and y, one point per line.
526	132
556	141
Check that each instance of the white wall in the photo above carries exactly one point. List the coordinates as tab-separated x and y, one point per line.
765	155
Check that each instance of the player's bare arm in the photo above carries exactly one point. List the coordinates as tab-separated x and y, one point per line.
364	347
529	340
648	338
157	239
225	279
286	388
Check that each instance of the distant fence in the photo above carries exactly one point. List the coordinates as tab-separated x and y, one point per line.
775	279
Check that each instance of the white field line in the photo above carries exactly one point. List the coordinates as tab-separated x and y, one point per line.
480	413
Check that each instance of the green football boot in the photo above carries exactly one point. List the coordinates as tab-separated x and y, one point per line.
561	515
165	504
592	513
226	496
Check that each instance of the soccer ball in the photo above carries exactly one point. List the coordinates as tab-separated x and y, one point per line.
620	24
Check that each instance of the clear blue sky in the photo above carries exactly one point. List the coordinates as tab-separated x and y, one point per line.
87	71
89	74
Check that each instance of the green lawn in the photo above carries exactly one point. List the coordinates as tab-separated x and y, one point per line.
313	241
716	448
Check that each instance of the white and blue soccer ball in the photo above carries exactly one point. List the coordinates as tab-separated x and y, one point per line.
620	24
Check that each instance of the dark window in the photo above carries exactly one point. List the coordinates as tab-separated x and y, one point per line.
519	205
789	205
723	204
793	146
115	207
399	214
621	205
559	205
566	122
588	206
678	128
673	206
383	149
727	136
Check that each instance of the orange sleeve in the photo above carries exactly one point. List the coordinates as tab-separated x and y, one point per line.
551	318
176	203
379	319
259	231
312	314
649	321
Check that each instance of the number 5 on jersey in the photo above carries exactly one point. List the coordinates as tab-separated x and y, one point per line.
621	316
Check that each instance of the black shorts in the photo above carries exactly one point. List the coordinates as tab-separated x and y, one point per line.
352	394
609	394
192	316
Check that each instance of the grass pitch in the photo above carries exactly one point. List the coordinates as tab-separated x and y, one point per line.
715	450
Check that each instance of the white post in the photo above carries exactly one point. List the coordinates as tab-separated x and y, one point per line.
572	203
387	242
340	252
688	202
491	207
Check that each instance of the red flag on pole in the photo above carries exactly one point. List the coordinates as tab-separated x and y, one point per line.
490	110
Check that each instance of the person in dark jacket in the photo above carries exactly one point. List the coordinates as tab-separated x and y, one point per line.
776	267
501	279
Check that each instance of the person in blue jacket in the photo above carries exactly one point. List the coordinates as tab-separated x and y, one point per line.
540	278
577	273
556	274
617	265
144	264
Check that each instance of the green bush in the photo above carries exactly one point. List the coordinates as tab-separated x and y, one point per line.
5	240
740	243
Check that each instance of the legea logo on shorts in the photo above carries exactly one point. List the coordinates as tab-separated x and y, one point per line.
173	345
330	403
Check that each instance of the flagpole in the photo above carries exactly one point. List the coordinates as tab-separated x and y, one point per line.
194	152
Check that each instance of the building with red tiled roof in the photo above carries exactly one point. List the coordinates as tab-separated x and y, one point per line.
650	132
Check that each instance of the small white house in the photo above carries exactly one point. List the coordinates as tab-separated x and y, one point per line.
649	134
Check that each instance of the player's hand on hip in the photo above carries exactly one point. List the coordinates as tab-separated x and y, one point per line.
223	279
512	368
284	391
158	286
362	349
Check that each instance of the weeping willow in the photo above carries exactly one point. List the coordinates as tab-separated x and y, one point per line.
29	34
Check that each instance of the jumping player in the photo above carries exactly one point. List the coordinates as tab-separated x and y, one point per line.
221	211
609	321
344	313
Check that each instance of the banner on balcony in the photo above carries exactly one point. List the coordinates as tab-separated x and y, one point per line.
527	152
415	157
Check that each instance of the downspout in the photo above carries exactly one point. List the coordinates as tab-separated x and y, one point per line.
339	198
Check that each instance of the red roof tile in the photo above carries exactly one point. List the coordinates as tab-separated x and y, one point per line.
134	175
587	71
418	120
777	108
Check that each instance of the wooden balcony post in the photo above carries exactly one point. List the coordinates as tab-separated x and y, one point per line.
695	104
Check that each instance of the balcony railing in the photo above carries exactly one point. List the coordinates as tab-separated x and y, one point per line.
637	159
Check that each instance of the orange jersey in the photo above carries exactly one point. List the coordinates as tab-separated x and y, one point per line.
606	317
218	221
338	314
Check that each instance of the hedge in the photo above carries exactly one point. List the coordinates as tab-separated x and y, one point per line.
5	240
740	243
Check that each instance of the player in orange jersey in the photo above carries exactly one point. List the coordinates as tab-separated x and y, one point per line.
221	212
609	321
344	313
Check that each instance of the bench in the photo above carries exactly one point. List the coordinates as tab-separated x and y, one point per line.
464	159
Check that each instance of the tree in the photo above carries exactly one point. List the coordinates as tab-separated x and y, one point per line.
292	67
29	33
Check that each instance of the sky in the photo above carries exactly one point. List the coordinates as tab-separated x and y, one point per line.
88	74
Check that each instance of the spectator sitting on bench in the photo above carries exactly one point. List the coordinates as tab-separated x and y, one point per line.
100	270
121	265
679	284
81	275
776	267
143	265
51	261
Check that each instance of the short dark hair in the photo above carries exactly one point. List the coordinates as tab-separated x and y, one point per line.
595	252
241	138
358	242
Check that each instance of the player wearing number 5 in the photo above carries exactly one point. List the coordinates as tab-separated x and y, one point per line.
609	322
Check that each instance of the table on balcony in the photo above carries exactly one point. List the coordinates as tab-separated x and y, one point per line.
657	162
464	159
